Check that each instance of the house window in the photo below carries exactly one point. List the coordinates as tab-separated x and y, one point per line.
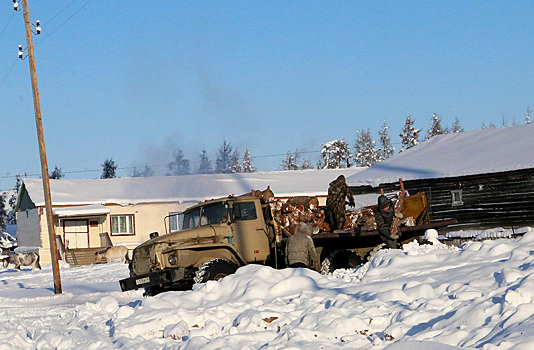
457	198
122	225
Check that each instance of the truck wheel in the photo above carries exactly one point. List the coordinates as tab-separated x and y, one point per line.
340	259
214	270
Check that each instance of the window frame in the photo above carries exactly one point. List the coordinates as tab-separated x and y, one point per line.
132	216
456	198
240	217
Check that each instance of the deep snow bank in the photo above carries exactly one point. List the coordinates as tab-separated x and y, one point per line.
477	296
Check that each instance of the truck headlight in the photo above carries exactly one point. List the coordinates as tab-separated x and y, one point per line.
172	259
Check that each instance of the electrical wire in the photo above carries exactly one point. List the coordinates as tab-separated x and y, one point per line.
65	21
4	77
57	14
140	167
3	30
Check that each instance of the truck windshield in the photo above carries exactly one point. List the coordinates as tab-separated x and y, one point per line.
208	215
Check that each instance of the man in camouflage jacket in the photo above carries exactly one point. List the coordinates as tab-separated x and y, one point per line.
335	203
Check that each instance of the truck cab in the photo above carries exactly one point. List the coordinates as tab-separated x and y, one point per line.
214	239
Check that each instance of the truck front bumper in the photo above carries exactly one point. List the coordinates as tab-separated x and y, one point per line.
162	278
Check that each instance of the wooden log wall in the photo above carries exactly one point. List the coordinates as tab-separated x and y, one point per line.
490	200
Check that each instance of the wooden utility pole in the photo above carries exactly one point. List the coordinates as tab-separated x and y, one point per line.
42	150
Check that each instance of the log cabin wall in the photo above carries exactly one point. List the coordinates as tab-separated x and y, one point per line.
477	201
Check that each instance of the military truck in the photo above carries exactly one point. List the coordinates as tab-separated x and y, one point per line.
218	236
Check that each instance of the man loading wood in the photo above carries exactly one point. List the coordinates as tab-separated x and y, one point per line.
384	219
335	203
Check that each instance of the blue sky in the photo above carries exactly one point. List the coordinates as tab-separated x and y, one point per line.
135	80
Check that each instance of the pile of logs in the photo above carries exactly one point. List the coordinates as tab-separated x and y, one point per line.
288	214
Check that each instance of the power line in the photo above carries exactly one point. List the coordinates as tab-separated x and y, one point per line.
65	21
4	77
3	30
57	14
151	166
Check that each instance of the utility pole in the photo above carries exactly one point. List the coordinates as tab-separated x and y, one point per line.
42	150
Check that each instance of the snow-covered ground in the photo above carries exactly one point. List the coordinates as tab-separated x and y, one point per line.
478	296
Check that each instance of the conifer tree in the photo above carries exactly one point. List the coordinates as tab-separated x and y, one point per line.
385	150
205	163
247	166
335	155
306	164
224	164
456	126
57	173
146	172
179	165
290	161
435	128
365	152
236	167
109	169
527	116
409	134
3	213
12	218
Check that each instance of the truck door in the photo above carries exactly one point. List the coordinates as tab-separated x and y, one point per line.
249	229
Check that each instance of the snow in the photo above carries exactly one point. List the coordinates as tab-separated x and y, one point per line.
488	151
187	188
94	209
479	295
7	241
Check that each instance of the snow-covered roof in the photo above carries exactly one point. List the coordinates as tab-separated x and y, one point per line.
468	153
188	188
83	210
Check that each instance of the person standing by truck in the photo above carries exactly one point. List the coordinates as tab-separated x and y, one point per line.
335	203
300	250
384	218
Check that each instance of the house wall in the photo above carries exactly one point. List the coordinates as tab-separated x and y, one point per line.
33	228
489	200
148	218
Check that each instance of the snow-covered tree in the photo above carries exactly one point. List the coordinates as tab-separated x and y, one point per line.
306	164
365	153
291	161
236	166
335	155
205	163
492	125
57	173
435	128
385	150
12	218
247	166
146	172
527	116
456	126
179	164
225	162
409	134
109	169
3	212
